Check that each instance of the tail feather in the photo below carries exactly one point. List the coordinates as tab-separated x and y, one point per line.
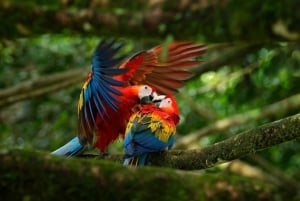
139	160
72	148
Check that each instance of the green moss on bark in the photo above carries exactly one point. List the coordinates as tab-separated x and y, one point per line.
27	175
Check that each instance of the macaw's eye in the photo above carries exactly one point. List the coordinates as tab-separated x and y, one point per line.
147	88
145	91
165	103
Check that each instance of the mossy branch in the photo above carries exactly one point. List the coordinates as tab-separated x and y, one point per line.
235	147
29	175
284	106
38	176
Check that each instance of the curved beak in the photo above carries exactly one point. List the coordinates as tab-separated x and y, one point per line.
157	98
147	99
153	98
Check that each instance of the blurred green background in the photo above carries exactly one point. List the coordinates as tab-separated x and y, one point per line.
253	63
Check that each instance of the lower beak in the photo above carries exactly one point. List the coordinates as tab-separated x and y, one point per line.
152	98
158	98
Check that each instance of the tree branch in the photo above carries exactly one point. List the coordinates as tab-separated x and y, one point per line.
202	110
52	178
282	107
99	177
229	53
41	86
235	147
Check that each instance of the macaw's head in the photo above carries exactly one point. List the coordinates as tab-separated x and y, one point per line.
145	93
168	104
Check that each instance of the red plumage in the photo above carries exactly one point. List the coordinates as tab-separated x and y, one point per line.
108	130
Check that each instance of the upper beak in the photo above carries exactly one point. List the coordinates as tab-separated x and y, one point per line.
147	99
157	98
152	98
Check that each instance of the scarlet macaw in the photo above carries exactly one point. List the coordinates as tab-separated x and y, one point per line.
151	129
109	94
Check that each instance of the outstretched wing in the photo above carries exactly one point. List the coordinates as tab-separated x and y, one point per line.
164	68
98	91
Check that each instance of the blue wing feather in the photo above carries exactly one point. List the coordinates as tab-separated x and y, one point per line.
107	98
72	148
112	71
109	80
141	140
99	104
112	62
87	116
99	92
139	160
89	108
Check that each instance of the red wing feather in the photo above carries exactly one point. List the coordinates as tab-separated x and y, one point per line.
159	87
185	51
165	68
138	66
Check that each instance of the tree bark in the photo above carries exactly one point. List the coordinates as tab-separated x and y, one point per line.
238	146
232	148
57	178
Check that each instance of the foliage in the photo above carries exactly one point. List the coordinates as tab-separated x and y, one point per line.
265	74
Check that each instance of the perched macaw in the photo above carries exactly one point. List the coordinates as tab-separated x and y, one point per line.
151	129
110	93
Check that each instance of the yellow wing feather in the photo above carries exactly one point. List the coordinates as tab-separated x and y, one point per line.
162	129
158	126
80	101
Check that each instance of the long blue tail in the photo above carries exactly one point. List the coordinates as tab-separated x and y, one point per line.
72	148
139	160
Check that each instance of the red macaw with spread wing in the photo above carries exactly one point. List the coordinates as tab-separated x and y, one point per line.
110	93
